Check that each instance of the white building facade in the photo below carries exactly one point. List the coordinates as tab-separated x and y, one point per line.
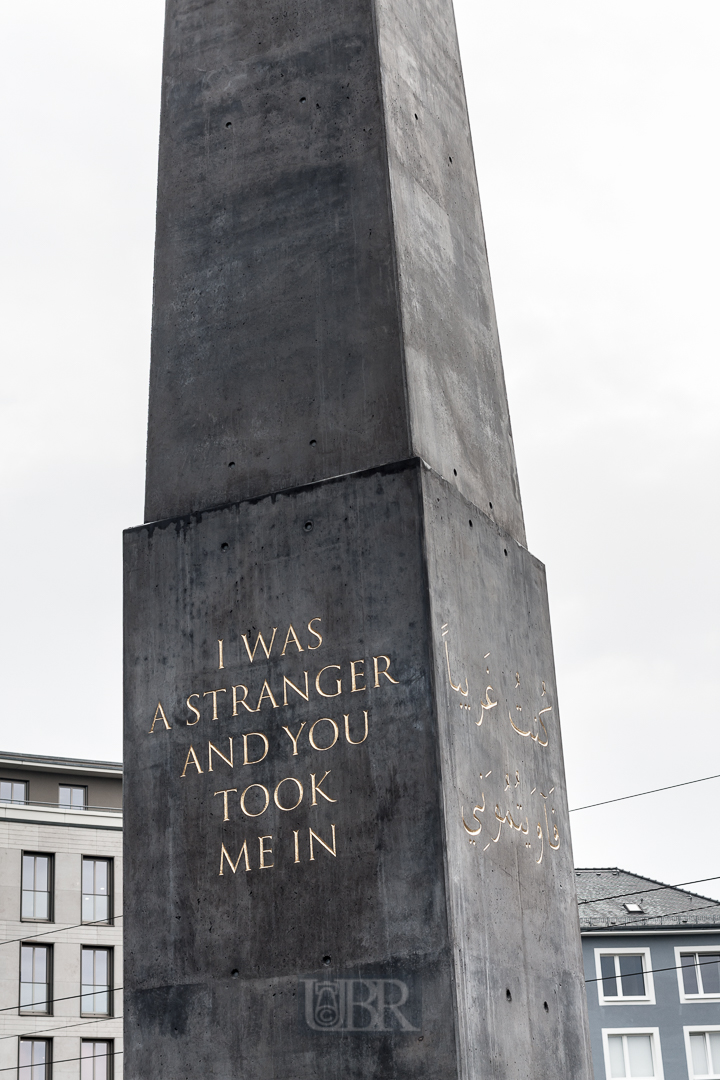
60	918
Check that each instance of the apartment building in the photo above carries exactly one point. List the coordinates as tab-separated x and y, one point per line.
60	918
652	966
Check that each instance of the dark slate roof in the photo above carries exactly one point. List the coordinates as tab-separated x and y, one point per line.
603	893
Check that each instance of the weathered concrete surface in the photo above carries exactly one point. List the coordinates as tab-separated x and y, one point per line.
322	297
381	565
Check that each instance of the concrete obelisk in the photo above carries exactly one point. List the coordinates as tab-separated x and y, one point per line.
347	839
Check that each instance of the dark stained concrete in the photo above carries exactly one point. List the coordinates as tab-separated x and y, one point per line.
347	844
462	914
322	296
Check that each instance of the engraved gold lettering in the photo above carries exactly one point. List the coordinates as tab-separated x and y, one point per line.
192	723
191	759
295	737
355	675
316	790
224	794
159	715
234	865
242	800
238	701
386	671
291	633
286	683
228	761
264	852
326	720
338	682
300	793
355	742
260	640
266	692
315	633
214	697
297	846
314	835
256	735
221	663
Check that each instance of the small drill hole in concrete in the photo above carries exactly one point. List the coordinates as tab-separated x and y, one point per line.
313	442
302	99
229	123
308	526
231	464
450	160
546	1007
470	524
416	116
490	505
327	961
508	995
454	472
224	547
235	973
505	550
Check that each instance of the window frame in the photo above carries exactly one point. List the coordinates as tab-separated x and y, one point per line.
25	1011
15	802
110	1043
74	787
49	1054
649	996
111	989
110	921
695	1029
699	950
654	1034
50	856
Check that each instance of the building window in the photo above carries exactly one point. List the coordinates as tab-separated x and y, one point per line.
36	889
624	976
632	1053
13	791
96	890
698	974
703	1053
95	973
35	976
74	797
34	1059
96	1060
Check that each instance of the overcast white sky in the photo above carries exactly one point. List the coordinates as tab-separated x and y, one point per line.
595	131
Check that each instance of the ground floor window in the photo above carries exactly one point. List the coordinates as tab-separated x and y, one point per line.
632	1053
703	1051
34	1059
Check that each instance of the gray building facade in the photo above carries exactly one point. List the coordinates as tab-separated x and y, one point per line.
60	918
652	965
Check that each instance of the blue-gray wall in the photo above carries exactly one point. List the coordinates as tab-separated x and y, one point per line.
669	1014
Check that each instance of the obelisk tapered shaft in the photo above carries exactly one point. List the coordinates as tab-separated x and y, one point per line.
347	847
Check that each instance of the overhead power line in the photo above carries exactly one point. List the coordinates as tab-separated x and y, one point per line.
61	1061
59	930
653	971
61	1027
656	888
653	791
70	997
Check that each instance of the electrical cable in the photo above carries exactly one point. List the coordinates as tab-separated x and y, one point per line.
653	791
70	997
656	888
60	1061
60	1027
59	930
652	971
653	918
